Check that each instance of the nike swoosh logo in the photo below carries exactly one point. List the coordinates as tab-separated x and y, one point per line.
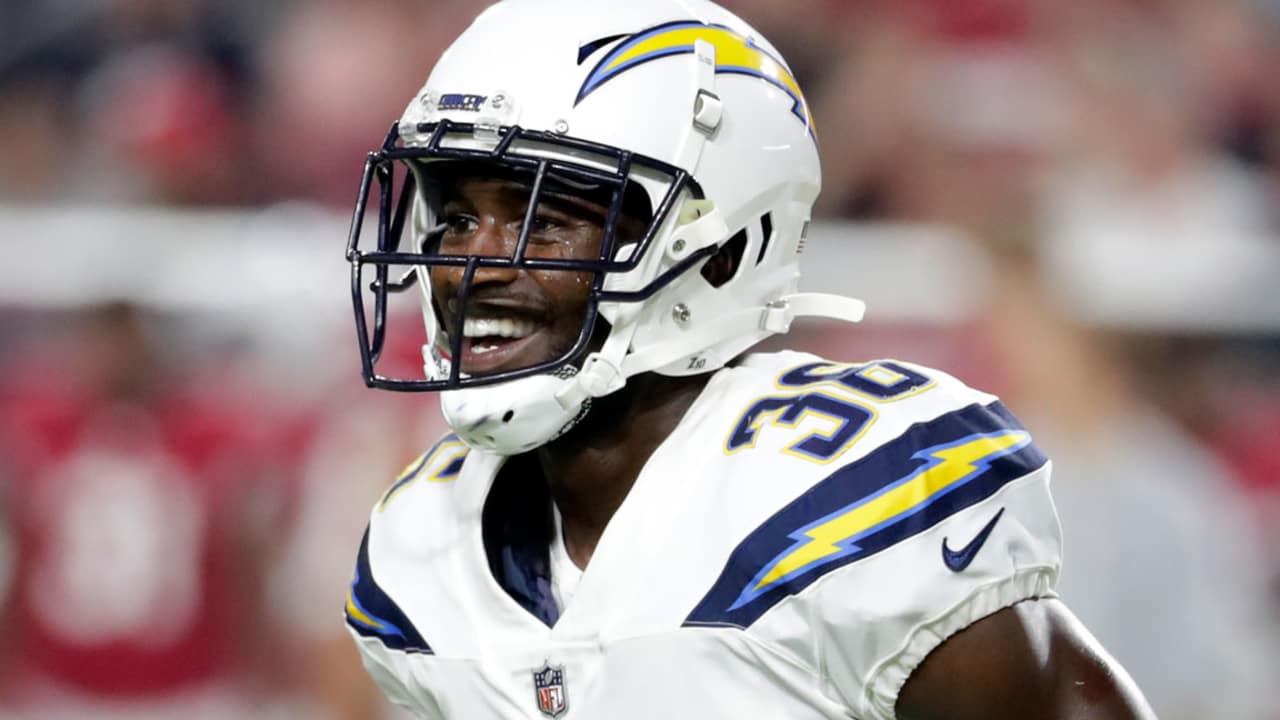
958	560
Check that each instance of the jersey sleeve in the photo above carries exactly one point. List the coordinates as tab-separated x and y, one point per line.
981	534
383	635
945	519
387	568
389	682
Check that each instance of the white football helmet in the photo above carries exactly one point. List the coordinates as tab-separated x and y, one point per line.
679	99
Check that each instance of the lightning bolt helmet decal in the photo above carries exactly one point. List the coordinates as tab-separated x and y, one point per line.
735	54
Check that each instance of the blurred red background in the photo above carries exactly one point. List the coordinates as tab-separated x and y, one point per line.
1075	205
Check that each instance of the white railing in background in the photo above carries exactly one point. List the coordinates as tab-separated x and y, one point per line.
290	259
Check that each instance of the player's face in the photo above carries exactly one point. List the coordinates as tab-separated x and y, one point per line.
515	318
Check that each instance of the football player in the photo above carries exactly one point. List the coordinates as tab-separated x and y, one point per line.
602	205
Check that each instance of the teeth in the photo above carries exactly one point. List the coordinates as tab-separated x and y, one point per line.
497	327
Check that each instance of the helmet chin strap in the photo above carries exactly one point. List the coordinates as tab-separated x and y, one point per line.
601	372
607	371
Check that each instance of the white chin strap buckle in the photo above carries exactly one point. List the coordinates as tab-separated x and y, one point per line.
598	377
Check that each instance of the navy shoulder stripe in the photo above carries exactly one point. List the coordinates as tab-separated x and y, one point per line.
904	487
372	613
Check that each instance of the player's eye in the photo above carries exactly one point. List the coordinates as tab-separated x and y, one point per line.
460	224
458	229
544	223
550	223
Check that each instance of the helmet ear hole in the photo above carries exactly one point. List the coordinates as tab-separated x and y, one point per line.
721	267
766	230
506	417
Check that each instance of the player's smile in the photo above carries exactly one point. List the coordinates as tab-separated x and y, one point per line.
502	333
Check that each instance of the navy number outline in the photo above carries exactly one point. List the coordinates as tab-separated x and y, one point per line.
836	392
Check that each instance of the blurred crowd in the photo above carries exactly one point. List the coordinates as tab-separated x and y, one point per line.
179	523
194	102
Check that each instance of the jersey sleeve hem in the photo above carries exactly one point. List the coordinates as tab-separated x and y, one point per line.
888	678
373	655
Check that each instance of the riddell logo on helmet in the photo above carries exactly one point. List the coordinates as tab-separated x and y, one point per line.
456	101
735	54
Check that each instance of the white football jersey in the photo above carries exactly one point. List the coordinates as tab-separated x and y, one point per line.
809	532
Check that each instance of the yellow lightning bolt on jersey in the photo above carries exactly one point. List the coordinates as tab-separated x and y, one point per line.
946	467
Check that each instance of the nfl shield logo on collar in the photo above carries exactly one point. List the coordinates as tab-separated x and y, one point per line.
548	683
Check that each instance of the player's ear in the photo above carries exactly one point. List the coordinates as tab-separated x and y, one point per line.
721	267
